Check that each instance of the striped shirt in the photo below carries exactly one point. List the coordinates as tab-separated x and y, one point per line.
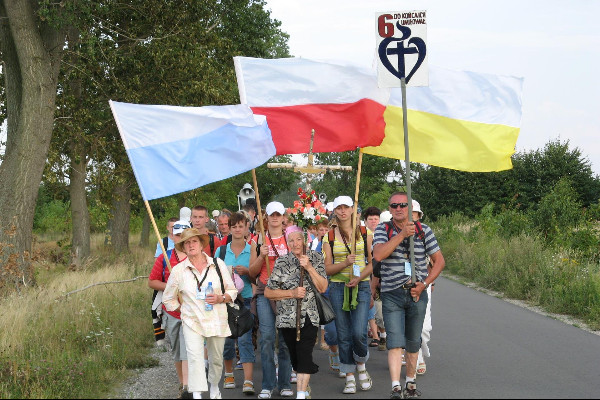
393	274
340	252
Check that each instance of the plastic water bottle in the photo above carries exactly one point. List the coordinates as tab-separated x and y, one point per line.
209	290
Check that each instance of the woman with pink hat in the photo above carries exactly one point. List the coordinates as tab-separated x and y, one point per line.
284	287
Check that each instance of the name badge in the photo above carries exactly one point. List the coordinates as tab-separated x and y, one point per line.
356	270
200	294
407	268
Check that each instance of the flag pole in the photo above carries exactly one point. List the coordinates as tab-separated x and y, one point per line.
260	218
355	212
164	251
408	181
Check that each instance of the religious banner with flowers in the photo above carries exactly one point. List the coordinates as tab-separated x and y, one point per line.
308	210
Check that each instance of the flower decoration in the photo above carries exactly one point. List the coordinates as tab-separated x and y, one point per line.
308	210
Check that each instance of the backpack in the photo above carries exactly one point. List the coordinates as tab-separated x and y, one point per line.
388	229
363	233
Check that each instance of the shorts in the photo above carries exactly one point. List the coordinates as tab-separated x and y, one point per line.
403	319
174	331
372	312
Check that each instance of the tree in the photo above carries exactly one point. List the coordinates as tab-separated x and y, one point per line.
32	48
149	51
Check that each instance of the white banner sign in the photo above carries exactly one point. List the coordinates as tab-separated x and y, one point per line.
402	48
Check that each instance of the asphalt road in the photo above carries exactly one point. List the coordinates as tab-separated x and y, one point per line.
481	347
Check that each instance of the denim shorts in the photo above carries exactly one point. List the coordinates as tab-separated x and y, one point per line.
372	312
174	331
403	319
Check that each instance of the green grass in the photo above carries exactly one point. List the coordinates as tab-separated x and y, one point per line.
523	267
77	347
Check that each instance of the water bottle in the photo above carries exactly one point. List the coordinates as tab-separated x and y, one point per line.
209	290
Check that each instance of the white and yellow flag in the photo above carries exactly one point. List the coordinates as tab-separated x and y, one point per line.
463	120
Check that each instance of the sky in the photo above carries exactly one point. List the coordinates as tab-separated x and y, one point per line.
554	46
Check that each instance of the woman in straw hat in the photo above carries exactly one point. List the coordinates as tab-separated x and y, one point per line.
186	292
284	287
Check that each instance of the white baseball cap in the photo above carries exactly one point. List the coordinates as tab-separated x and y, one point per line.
275	206
417	207
385	216
342	200
185	214
180	226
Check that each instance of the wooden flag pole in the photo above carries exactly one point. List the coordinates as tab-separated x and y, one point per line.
355	212
260	218
164	251
408	182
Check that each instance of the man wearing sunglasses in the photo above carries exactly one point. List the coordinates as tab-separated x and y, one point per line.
404	302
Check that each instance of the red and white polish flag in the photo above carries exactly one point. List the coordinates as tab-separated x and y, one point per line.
342	103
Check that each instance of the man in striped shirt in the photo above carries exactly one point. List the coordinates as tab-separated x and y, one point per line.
403	316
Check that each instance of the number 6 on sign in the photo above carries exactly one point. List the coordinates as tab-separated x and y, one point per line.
402	49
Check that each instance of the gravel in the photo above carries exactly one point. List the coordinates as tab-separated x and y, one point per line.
158	382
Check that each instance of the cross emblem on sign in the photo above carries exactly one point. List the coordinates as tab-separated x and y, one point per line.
385	50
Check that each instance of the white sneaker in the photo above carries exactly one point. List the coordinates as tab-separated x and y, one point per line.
293	377
265	394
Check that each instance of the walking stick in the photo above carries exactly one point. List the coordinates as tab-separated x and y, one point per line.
299	301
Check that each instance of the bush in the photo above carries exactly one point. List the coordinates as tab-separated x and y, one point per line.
558	212
54	216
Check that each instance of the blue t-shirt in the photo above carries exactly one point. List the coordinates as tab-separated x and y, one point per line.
170	246
244	260
393	274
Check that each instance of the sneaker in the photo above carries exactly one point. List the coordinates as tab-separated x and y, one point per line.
184	394
341	374
265	394
382	345
229	382
293	378
248	388
397	392
410	391
239	366
286	393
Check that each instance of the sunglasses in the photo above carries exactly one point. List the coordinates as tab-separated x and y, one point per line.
396	205
179	226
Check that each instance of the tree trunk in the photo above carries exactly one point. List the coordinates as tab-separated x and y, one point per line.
121	216
145	237
31	51
80	214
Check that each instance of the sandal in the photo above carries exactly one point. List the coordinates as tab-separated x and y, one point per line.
350	387
248	388
421	368
335	366
367	383
286	393
374	343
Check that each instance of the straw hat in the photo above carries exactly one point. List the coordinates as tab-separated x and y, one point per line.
190	233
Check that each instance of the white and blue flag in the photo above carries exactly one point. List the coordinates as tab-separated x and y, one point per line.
175	149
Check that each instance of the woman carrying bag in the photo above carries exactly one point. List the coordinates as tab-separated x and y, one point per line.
284	287
204	316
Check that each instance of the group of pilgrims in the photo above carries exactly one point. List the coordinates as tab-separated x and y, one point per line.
229	254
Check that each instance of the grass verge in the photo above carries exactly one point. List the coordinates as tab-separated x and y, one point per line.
522	267
76	347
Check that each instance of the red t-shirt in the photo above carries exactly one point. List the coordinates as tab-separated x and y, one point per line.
157	274
277	248
218	243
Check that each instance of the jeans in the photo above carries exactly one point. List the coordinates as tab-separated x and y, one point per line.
244	343
266	326
403	319
330	330
351	325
